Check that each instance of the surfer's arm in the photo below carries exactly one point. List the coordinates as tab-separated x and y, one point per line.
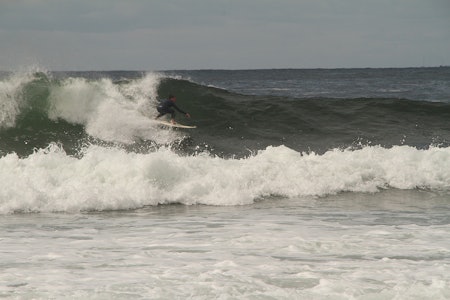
181	111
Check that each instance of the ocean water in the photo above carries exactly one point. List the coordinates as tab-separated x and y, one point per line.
296	184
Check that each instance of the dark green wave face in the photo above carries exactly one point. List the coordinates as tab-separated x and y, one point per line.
116	109
233	123
26	125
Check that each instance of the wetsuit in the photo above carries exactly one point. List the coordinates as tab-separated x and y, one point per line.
165	107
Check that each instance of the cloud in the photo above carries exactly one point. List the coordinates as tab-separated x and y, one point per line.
171	34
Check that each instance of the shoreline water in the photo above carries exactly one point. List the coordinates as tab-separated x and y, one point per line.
389	245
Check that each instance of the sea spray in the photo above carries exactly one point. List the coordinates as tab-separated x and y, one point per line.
110	112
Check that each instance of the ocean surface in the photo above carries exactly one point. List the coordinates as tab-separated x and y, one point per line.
296	184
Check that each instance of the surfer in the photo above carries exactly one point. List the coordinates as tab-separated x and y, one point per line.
166	106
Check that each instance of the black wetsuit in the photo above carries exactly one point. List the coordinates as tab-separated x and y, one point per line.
165	107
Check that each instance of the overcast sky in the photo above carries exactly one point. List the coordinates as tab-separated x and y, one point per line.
223	34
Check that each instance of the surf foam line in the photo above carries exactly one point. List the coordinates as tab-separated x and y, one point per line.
112	179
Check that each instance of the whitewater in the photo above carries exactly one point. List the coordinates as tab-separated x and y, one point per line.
112	179
296	184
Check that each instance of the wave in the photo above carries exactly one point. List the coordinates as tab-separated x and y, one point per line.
38	108
49	180
76	109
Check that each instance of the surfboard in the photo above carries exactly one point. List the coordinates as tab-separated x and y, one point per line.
176	125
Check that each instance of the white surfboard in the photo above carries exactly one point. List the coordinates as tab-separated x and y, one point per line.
176	125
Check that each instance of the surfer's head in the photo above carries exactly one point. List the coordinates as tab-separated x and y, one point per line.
172	98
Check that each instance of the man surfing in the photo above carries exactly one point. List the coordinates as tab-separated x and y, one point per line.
166	106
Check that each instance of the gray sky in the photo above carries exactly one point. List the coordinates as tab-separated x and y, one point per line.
223	34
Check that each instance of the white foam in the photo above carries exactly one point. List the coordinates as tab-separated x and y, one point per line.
111	112
112	179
